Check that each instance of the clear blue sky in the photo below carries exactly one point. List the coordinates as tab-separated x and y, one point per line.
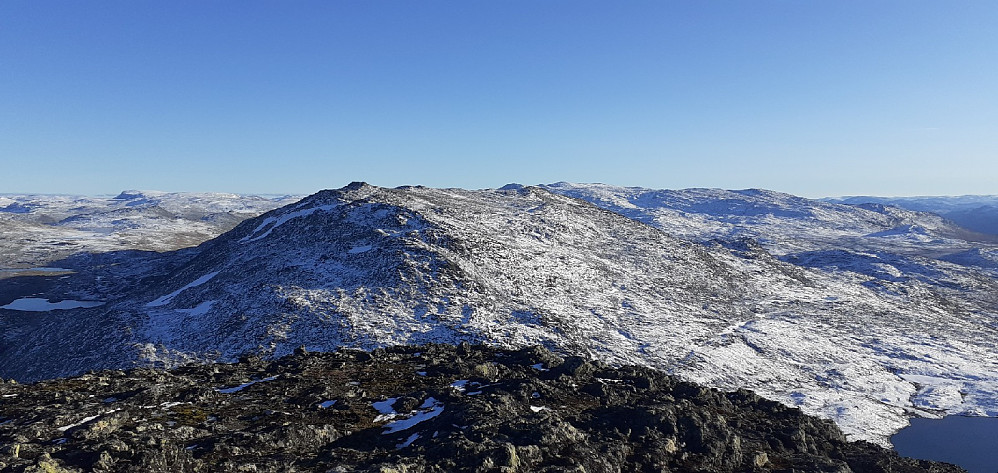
816	98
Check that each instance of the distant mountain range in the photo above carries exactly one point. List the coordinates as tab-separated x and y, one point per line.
39	228
864	314
975	212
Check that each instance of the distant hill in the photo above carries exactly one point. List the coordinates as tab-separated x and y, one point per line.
39	227
975	212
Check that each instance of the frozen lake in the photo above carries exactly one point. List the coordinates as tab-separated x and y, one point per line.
35	271
35	304
970	442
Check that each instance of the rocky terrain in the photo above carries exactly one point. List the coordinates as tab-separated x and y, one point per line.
861	314
432	408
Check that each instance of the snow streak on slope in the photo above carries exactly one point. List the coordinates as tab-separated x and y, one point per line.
160	301
271	223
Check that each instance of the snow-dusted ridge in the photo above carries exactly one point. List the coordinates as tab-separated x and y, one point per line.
975	212
859	315
40	228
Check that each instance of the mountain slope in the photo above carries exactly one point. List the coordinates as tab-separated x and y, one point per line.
366	267
904	256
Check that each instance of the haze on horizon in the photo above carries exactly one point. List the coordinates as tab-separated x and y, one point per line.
812	98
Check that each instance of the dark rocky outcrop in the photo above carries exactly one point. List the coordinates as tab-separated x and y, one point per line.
430	408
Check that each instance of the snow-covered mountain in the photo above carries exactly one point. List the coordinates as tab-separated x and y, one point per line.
789	222
884	243
975	212
860	314
40	228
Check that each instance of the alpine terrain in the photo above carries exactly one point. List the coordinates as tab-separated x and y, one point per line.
864	315
976	212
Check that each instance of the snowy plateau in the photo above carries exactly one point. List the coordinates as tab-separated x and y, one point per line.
865	314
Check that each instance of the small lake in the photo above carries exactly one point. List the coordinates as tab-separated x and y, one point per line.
35	270
970	442
35	304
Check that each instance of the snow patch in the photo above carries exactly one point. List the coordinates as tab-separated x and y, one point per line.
385	409
236	389
169	297
428	410
199	310
83	421
274	222
935	393
408	441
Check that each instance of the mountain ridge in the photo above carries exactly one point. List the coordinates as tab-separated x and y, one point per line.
735	295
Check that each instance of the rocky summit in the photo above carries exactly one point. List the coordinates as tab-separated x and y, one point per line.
430	408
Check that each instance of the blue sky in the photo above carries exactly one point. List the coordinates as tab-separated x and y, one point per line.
815	98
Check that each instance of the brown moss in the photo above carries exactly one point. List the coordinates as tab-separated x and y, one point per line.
188	415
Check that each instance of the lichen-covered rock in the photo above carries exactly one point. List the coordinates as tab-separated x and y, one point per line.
426	409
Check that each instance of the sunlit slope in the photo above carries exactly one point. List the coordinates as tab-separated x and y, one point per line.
365	267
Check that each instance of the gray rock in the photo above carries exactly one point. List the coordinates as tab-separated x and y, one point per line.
511	417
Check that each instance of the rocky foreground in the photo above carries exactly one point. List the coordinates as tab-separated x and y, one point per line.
430	408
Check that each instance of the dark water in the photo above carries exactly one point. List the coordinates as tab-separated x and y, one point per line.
971	442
